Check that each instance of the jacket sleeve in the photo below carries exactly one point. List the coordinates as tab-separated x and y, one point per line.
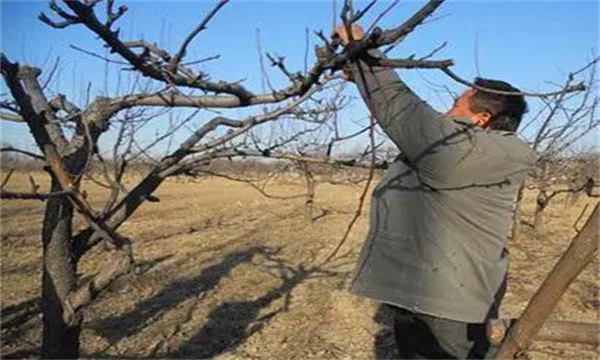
414	126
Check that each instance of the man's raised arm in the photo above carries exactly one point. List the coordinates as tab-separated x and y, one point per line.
413	125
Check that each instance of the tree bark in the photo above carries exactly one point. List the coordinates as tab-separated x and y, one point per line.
60	340
541	204
309	204
84	240
517	227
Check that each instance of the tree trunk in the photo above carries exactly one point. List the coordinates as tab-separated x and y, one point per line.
60	339
541	204
310	198
517	227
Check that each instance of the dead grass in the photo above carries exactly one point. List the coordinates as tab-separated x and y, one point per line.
226	273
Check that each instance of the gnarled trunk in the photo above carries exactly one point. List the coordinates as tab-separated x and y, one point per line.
60	339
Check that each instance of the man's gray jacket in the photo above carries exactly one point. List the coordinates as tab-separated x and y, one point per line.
441	215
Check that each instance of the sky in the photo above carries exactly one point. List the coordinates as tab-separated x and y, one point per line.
530	44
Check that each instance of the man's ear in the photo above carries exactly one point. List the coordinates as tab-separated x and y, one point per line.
483	119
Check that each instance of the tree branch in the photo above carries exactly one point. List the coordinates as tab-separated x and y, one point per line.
169	165
83	295
36	118
24	152
569	89
181	53
11	117
241	96
12	195
398	34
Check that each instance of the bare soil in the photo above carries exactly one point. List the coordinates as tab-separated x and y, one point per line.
224	272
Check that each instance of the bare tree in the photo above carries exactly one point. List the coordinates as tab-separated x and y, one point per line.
562	121
67	135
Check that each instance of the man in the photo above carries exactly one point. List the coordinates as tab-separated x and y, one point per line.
441	216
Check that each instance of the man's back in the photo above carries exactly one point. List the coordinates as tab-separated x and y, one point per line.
439	224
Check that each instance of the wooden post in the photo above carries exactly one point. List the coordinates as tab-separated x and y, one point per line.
554	331
582	251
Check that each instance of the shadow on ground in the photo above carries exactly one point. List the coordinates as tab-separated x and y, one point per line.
18	319
114	328
232	323
229	324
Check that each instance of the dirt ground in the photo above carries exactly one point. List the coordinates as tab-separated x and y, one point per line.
224	272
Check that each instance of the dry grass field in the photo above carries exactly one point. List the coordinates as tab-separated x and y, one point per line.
224	272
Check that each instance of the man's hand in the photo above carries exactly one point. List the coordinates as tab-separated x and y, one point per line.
357	33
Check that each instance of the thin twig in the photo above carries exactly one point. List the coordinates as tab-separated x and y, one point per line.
359	14
434	51
251	184
24	152
51	74
574	88
363	195
7	178
380	16
181	53
99	56
307	44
